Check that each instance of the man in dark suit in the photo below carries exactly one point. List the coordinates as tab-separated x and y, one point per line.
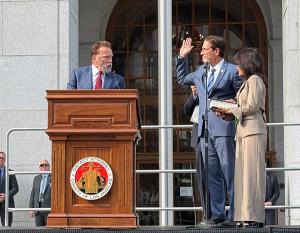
13	190
189	106
40	196
272	195
98	75
223	83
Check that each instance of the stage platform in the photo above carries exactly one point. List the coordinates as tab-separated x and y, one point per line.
180	229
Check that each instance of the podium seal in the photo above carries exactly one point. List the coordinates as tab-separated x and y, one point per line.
91	178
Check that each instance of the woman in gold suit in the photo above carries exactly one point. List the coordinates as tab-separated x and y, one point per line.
251	141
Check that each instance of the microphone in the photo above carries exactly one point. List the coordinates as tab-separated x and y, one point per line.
206	65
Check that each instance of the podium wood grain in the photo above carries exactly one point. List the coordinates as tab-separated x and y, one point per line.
96	123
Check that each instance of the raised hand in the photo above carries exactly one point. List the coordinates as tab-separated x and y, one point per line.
186	47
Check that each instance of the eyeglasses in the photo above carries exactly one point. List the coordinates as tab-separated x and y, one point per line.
205	49
44	165
2	158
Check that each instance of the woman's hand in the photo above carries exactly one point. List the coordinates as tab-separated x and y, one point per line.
230	101
224	114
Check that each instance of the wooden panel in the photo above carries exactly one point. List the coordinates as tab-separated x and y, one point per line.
99	124
66	113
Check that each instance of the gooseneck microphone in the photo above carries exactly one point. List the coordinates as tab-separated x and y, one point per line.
206	65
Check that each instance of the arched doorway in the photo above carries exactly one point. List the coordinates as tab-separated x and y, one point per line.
132	29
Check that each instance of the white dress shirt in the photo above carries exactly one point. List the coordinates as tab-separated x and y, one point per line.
95	72
217	70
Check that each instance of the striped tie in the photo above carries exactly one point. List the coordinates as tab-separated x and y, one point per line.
210	82
98	84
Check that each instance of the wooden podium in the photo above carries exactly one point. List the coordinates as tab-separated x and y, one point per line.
99	123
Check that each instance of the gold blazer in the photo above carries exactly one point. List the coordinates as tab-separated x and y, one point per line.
250	114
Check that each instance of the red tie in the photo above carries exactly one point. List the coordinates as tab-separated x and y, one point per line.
98	84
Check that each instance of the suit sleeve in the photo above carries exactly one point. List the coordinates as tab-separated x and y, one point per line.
276	192
190	105
72	84
31	199
183	75
14	187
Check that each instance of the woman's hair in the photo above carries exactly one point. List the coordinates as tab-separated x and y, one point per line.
250	60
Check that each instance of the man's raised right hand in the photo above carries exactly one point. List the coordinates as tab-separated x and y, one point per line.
186	47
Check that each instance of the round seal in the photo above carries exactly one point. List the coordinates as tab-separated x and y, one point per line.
91	178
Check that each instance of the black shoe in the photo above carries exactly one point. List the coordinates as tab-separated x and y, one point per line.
253	225
239	224
228	223
215	221
211	223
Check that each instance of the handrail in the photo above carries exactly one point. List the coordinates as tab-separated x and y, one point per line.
7	171
145	127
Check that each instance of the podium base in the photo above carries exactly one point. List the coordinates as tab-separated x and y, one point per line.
92	221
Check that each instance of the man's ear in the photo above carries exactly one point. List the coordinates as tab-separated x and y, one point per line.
217	51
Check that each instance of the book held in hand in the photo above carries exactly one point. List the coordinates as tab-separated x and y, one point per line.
221	104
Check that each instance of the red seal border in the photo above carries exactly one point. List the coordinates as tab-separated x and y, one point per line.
107	186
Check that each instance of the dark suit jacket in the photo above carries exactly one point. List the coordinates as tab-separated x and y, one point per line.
188	109
225	87
13	189
82	78
35	192
272	188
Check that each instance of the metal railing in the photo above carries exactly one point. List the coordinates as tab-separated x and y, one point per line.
7	173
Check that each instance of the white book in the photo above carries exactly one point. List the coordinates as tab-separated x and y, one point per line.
195	115
222	104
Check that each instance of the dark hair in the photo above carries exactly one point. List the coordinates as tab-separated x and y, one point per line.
97	45
217	42
250	60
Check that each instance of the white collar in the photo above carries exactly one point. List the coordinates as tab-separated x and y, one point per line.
218	66
95	71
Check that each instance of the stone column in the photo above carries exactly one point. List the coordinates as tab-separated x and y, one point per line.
275	99
291	103
38	47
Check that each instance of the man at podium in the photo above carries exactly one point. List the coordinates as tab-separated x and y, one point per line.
99	74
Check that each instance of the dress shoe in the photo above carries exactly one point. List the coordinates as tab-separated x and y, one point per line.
228	223
253	225
211	223
239	224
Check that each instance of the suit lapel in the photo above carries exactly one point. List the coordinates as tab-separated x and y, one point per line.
48	183
239	91
88	78
202	76
108	80
220	75
38	182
